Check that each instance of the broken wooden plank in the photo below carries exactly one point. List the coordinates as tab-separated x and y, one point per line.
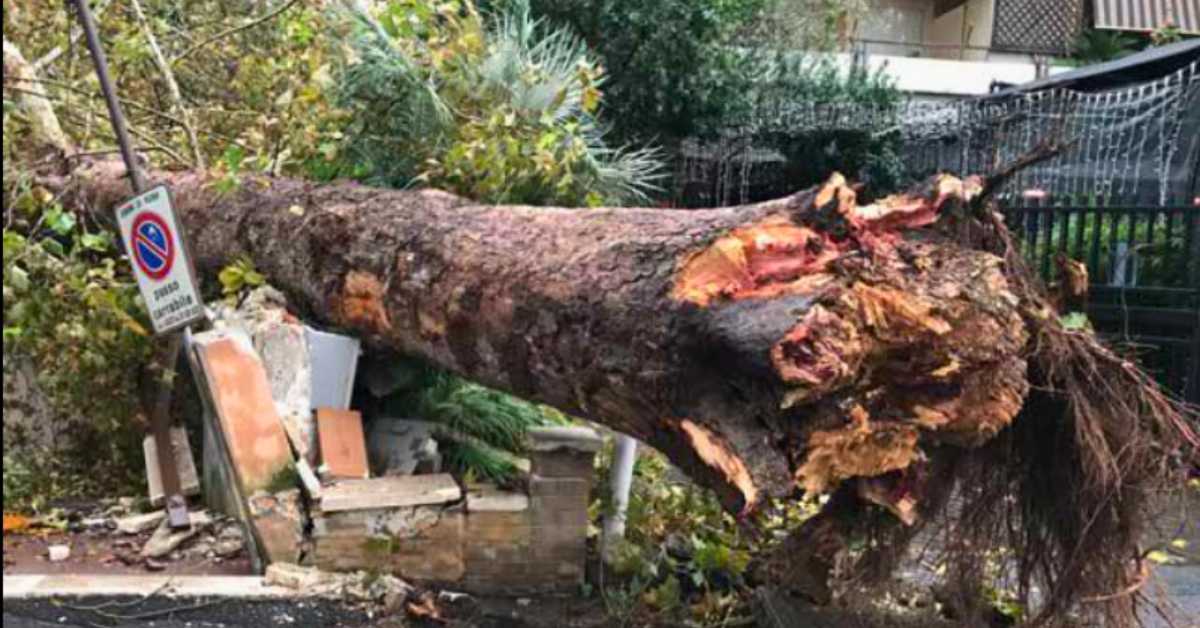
390	492
343	446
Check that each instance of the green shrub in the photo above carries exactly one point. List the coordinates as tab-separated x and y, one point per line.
683	557
500	109
73	311
674	69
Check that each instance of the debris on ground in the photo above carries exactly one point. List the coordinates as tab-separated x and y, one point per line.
137	524
425	607
16	523
58	553
369	588
165	540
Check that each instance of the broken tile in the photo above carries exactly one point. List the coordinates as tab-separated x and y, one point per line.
279	523
189	481
241	396
343	449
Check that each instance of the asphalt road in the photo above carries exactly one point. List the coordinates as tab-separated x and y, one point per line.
1182	581
180	613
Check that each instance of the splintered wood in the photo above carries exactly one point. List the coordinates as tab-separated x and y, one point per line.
876	331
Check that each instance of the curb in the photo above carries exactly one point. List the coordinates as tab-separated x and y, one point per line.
228	587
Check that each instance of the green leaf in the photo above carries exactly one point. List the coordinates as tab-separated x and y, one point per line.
96	241
1075	321
233	157
18	278
13	242
1160	557
253	278
53	247
59	221
232	279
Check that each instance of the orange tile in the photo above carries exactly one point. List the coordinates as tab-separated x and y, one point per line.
246	412
343	447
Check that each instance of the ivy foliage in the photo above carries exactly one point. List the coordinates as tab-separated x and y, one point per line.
499	108
73	315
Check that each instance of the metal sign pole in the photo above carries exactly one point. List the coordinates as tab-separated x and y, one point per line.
160	407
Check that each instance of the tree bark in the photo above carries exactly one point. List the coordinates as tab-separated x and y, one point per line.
791	344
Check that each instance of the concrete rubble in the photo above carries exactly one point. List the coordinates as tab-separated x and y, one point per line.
282	345
58	553
287	458
165	540
372	588
402	447
137	524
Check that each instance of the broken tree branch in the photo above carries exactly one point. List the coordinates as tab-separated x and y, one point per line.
164	68
234	30
72	39
45	129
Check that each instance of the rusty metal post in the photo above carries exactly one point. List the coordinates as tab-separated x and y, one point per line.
160	405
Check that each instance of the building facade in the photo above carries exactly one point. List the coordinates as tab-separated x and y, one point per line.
939	49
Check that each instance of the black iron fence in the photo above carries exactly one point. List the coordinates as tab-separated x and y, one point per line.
1144	271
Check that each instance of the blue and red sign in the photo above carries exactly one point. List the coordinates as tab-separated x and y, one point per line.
153	238
153	245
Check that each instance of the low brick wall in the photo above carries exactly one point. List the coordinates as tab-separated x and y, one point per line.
488	541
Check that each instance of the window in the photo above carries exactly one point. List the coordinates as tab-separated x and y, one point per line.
895	27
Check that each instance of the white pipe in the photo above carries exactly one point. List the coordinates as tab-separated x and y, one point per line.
621	479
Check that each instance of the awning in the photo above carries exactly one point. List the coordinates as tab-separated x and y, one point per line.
1148	15
1147	65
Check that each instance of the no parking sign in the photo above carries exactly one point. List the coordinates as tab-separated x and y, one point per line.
160	260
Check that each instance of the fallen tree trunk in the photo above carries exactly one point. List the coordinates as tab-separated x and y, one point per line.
804	344
728	339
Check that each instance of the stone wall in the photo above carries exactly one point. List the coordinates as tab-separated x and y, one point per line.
486	541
